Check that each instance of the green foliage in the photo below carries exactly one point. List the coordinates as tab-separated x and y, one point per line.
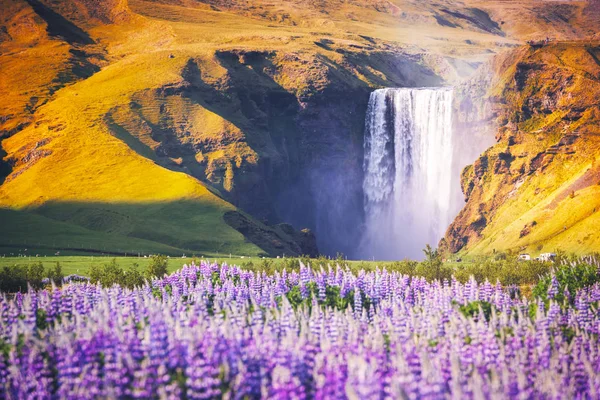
434	266
5	348
112	274
333	298
571	277
17	278
133	276
35	274
568	333
294	296
475	308
508	271
157	266
40	319
55	274
266	265
215	279
107	274
431	269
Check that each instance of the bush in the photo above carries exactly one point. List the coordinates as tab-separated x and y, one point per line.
107	274
55	274
17	278
35	275
133	277
569	278
157	266
112	274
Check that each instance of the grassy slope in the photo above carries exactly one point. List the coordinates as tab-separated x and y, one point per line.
88	166
25	233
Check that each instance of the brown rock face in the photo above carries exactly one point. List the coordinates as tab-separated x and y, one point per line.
85	13
547	115
279	240
106	11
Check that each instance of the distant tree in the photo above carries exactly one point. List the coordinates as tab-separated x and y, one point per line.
35	274
433	262
157	266
55	274
112	274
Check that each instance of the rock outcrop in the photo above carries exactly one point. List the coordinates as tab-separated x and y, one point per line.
522	192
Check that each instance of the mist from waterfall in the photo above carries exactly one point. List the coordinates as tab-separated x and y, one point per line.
408	172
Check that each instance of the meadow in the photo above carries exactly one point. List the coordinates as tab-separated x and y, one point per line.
220	331
507	269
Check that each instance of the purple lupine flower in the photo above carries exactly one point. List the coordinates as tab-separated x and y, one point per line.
114	342
553	288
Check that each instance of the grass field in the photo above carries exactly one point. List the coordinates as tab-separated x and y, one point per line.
78	264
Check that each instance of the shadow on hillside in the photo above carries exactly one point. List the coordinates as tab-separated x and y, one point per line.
252	98
59	26
5	167
191	226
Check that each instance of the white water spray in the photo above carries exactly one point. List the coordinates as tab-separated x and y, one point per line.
407	171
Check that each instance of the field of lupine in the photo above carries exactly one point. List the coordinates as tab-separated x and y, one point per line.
217	331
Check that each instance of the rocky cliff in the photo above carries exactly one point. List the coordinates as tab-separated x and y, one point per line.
538	188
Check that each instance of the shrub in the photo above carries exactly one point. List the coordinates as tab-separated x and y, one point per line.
113	274
55	274
564	282
17	278
157	266
35	275
107	274
133	277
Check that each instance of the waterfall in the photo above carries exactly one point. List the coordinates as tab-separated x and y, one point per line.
408	174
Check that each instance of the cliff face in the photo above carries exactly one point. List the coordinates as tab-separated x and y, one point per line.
538	188
277	133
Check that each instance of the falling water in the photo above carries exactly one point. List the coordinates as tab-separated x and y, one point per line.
407	171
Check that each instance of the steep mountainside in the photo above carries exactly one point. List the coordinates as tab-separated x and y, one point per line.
204	125
538	188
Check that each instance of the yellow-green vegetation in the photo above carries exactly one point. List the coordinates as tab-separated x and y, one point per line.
538	189
502	268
